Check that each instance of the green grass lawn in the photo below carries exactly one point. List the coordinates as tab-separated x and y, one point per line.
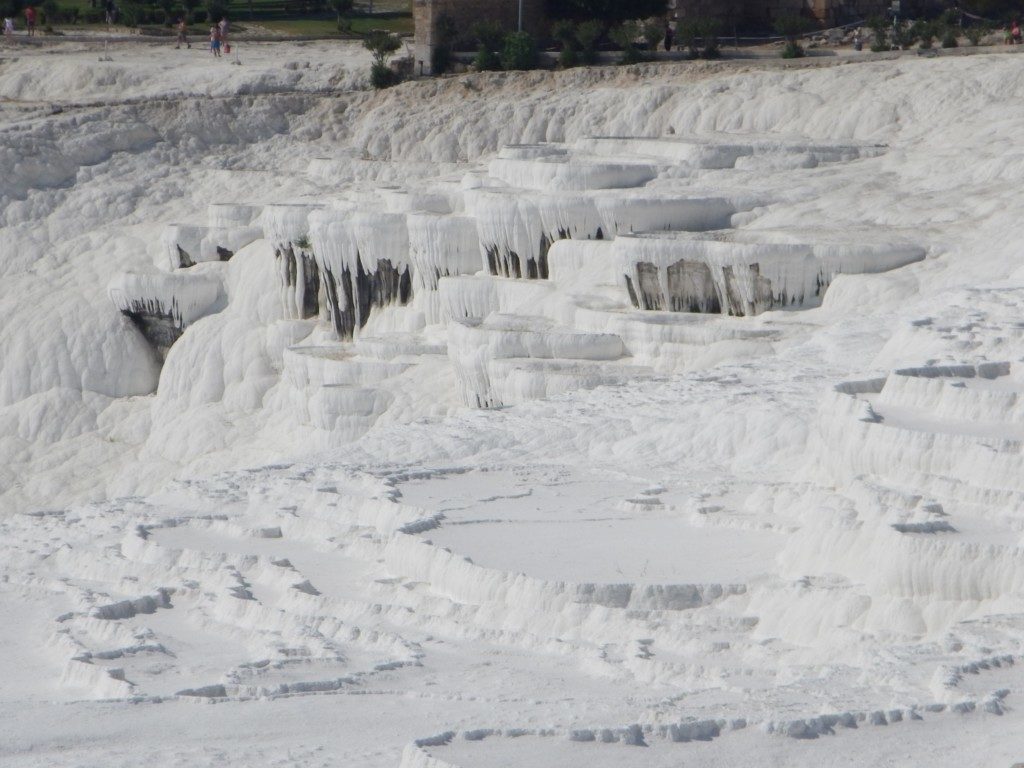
400	25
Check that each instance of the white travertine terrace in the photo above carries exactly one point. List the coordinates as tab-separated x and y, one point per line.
386	504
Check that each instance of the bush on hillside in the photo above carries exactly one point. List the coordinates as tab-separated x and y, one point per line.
975	32
488	37
520	51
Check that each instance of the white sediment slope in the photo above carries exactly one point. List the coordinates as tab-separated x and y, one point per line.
611	417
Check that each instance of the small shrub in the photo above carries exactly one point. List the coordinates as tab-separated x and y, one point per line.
792	28
568	58
381	76
520	51
793	51
924	31
486	60
905	35
975	33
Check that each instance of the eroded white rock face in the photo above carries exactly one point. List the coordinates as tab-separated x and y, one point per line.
388	260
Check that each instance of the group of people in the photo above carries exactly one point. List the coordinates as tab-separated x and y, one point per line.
30	22
218	32
218	37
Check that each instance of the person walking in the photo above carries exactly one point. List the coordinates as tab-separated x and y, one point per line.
182	35
222	26
8	26
215	41
30	20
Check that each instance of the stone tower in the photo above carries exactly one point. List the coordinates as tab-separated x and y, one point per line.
464	14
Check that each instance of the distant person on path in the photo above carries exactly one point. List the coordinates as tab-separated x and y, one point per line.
109	8
223	27
30	20
8	26
182	35
1015	33
669	35
215	41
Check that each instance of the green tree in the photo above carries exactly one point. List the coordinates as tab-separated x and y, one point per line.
342	8
589	34
383	46
564	31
